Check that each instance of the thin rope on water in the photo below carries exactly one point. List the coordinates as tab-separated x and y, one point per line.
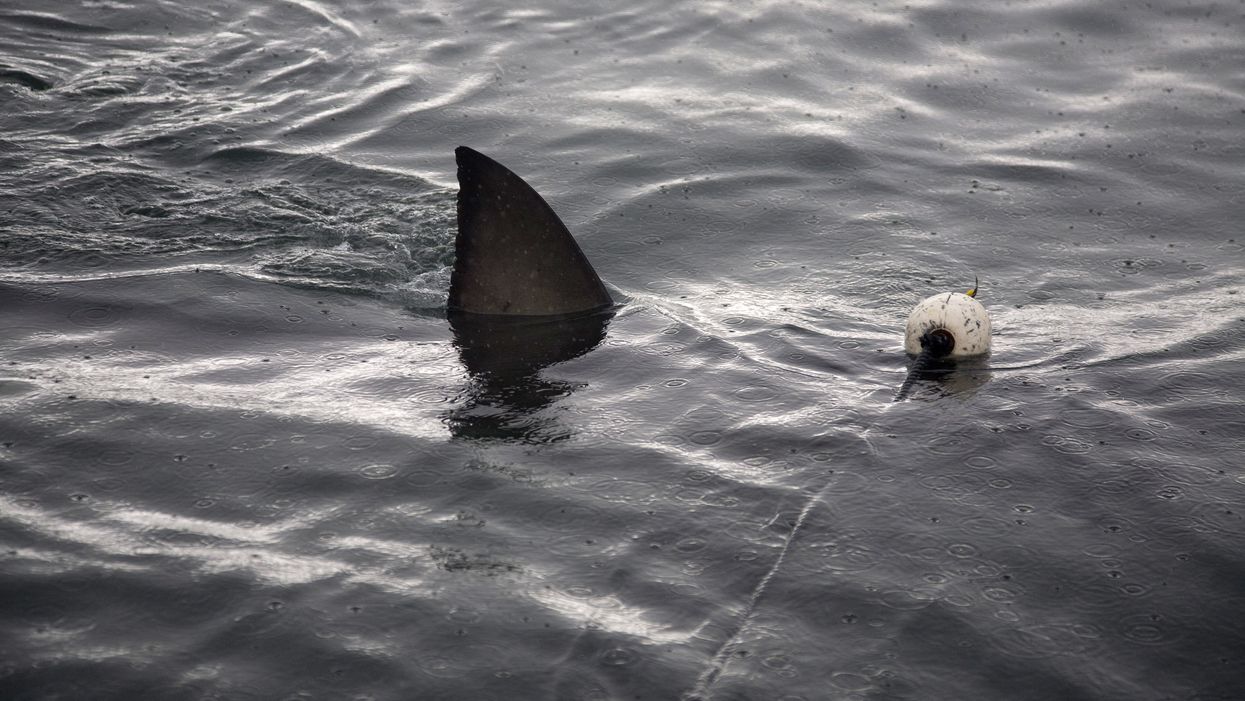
720	659
718	663
930	351
919	366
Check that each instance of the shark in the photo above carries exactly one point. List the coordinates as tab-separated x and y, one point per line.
523	295
513	255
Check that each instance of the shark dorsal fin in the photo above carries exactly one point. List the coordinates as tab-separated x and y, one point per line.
513	254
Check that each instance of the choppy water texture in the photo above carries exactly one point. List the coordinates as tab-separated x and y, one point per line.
241	456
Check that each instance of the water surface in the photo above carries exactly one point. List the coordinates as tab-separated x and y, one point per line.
244	455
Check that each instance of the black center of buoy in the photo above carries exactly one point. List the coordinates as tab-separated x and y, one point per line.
938	343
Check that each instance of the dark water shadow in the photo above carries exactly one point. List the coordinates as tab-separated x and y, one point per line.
505	356
949	378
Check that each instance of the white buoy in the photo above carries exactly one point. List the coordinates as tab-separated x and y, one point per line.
956	323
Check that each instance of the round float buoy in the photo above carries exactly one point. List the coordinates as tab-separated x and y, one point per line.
948	325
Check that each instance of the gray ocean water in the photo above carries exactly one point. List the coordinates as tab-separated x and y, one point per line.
242	455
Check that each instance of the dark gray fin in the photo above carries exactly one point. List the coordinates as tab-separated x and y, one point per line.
513	254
